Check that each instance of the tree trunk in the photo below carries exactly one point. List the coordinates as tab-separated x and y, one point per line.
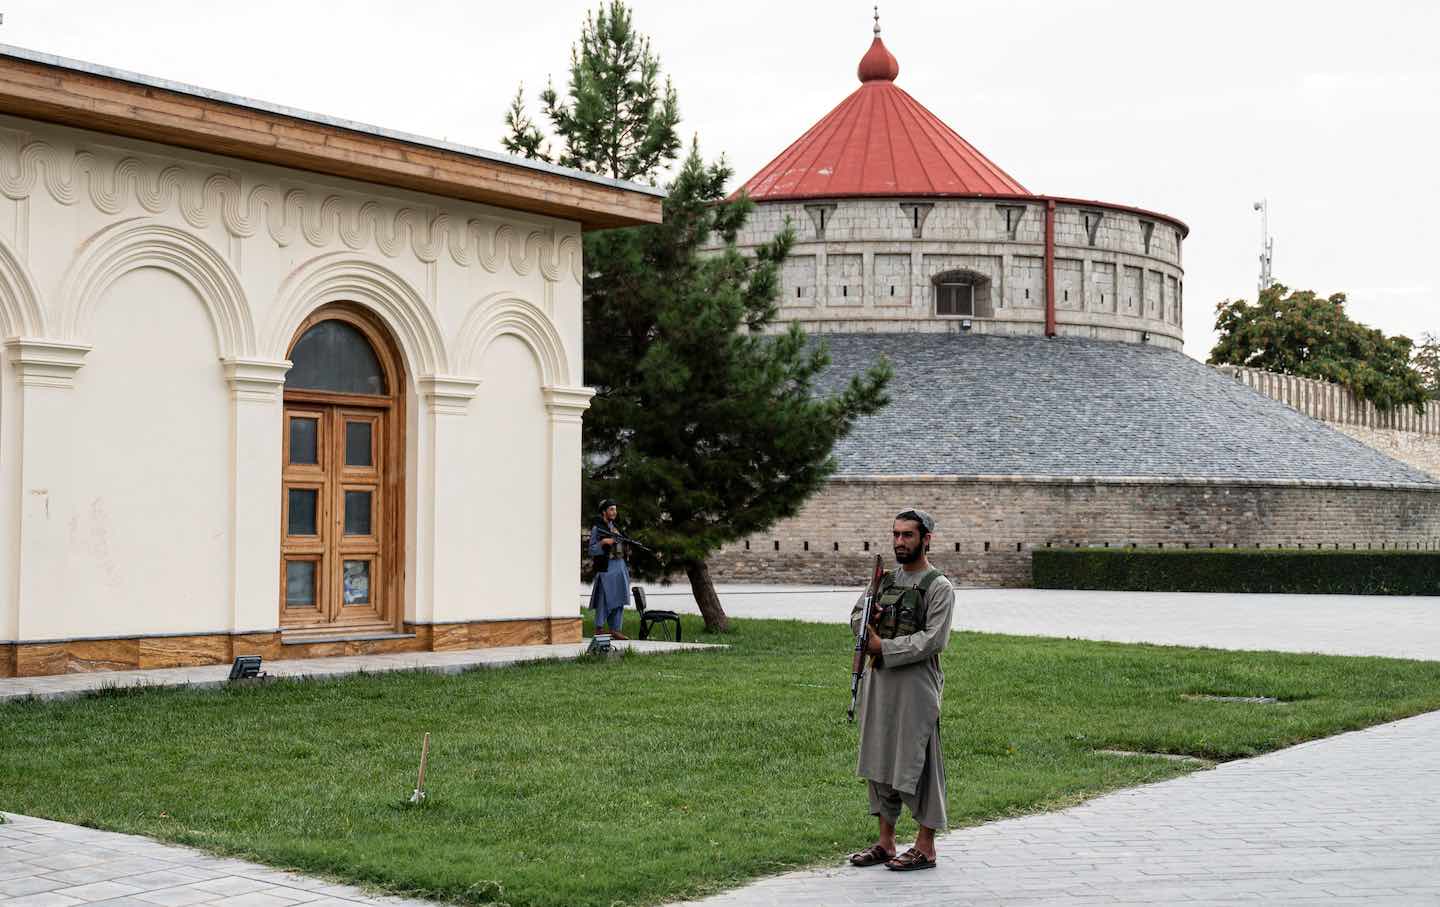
703	588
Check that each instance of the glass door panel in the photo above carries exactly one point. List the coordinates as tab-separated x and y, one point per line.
342	430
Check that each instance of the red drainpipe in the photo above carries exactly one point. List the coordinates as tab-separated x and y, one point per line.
1050	267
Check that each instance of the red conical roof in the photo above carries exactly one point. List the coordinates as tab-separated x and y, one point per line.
880	141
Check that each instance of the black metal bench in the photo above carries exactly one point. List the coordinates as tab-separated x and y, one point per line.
655	624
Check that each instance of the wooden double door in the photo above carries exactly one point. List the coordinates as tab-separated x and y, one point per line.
339	541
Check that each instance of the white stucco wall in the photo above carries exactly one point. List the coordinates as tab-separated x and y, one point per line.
148	296
148	526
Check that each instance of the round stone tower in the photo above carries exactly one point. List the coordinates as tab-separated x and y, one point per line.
1042	398
902	225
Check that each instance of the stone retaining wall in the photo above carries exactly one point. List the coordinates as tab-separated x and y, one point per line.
1419	450
988	526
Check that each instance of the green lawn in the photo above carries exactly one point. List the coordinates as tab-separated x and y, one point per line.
638	779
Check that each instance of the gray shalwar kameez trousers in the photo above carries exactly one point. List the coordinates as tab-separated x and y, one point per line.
899	712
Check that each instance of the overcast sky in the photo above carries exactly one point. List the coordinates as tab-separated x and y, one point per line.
1329	109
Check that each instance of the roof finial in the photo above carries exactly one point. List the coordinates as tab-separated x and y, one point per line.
878	64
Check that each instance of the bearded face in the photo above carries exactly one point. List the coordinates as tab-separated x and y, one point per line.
910	541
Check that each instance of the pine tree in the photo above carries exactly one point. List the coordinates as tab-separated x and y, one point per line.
616	121
707	428
704	426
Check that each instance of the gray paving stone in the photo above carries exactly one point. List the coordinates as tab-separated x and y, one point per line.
179	896
72	860
32	884
44	899
156	879
99	891
269	897
99	872
232	886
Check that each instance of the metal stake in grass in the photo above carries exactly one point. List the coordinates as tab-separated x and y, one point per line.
418	795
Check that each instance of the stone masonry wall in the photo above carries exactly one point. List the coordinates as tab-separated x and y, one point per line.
987	528
873	264
1418	450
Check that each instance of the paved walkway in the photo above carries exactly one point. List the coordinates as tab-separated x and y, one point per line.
1391	626
63	686
50	864
1347	820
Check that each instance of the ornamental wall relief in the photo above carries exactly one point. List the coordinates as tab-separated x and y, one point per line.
290	215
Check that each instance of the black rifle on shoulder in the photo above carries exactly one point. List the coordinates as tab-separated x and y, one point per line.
621	538
862	641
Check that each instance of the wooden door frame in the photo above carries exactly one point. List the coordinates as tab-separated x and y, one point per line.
391	509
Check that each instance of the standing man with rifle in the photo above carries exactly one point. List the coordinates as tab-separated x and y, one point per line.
899	697
611	583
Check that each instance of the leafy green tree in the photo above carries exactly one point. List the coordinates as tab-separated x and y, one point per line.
615	119
1426	361
1300	333
706	427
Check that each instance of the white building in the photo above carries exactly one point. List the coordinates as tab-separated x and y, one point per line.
274	383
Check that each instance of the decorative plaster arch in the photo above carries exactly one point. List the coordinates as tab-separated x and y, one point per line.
501	313
340	277
132	244
21	314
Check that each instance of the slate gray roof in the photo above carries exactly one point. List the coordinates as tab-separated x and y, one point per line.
988	405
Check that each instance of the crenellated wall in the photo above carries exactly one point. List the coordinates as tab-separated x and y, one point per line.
868	264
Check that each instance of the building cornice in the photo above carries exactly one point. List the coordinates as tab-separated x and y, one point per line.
74	93
979	196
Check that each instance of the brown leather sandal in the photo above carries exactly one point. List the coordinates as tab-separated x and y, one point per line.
873	855
911	859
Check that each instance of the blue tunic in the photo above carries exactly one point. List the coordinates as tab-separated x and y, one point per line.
609	589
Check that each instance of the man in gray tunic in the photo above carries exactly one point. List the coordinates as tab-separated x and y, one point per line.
899	704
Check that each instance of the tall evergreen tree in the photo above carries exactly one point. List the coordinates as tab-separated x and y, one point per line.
615	120
707	428
1300	333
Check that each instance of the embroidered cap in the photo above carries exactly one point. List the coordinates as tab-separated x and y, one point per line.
926	521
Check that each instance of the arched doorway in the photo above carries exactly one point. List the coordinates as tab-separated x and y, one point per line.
342	476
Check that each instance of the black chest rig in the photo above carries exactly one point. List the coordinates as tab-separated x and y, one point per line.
901	609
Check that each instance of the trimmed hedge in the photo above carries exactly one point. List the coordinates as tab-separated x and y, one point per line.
1239	570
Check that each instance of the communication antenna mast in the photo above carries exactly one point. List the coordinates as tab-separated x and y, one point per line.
1267	245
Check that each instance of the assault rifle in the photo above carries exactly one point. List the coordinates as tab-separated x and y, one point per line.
857	669
621	538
